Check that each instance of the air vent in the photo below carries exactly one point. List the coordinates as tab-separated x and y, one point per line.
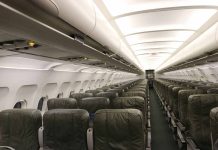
73	59
78	38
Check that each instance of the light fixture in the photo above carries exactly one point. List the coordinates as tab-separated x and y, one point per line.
31	43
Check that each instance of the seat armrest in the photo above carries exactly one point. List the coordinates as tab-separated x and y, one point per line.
90	138
191	144
40	136
6	147
181	126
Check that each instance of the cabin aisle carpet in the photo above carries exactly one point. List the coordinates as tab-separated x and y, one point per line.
161	135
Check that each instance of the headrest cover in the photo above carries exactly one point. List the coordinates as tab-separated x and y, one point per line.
19	128
134	93
79	96
212	91
116	90
62	103
110	95
94	92
135	102
92	104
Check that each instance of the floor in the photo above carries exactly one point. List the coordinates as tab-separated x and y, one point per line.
162	138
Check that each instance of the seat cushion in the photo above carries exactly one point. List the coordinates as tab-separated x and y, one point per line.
65	129
62	103
19	128
119	129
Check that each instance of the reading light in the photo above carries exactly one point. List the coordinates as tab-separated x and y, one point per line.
31	43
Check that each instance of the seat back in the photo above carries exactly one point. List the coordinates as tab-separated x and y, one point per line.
119	129
62	103
174	99
199	107
65	129
214	127
19	128
183	104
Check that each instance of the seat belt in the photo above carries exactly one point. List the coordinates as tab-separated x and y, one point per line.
40	137
90	132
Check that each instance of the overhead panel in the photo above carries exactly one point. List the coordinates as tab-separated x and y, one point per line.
185	19
156	44
122	7
174	35
155	50
155	30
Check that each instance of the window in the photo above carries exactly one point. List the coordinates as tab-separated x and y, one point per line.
60	95
71	92
21	104
40	104
81	91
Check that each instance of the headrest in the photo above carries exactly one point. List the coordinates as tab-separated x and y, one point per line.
135	102
65	128
19	128
104	88
110	95
116	90
204	88
79	96
94	92
176	89
214	114
135	90
92	104
212	91
135	93
124	128
62	103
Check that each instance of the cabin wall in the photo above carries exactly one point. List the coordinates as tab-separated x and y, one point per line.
31	85
207	73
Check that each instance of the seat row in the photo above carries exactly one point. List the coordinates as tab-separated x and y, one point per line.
188	106
66	129
80	122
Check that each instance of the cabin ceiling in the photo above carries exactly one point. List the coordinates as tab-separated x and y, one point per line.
155	30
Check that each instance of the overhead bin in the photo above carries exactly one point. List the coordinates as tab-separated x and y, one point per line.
204	43
87	18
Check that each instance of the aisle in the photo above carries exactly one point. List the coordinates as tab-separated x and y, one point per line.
162	138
